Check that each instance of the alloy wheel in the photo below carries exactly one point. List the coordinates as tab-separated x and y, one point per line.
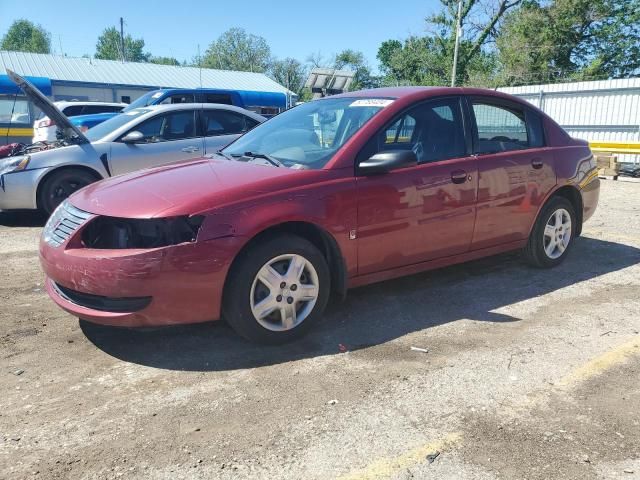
557	233
284	292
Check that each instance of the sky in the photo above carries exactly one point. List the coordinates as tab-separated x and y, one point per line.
175	29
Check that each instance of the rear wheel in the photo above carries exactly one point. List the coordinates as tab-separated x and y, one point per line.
277	290
59	185
552	235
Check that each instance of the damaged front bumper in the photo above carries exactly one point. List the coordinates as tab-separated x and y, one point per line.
18	189
129	287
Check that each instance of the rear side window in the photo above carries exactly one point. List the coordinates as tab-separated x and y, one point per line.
223	98
535	129
223	122
500	128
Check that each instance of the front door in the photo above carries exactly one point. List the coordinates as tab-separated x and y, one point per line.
422	212
167	138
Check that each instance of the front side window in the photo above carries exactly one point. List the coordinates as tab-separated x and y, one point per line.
178	98
108	126
168	127
433	130
500	128
222	122
309	135
145	100
14	110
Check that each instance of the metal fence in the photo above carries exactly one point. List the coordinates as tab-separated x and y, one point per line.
601	112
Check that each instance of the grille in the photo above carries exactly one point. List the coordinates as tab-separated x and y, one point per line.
103	304
65	220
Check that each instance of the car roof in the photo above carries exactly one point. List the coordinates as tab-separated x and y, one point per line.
408	94
206	106
398	92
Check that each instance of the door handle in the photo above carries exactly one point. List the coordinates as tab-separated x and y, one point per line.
190	149
458	176
536	163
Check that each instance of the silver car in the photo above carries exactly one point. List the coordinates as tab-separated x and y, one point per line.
140	138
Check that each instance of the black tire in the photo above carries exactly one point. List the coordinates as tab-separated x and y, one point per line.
535	253
59	185
236	308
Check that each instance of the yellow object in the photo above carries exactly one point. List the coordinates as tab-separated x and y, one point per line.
596	366
387	467
16	132
615	147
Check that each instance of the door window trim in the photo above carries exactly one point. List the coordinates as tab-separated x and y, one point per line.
466	129
195	119
203	132
507	105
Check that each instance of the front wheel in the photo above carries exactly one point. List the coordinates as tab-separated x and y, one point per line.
552	235
277	290
59	185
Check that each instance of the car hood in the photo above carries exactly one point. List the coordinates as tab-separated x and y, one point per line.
69	131
186	188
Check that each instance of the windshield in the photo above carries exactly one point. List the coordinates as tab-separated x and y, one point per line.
308	135
145	100
108	126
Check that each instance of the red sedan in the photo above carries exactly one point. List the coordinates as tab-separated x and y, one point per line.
332	194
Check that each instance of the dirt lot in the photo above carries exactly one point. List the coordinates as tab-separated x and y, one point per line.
529	375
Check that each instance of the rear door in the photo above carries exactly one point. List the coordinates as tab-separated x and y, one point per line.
221	127
168	137
515	169
424	212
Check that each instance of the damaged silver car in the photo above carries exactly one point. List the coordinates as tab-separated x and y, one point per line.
42	175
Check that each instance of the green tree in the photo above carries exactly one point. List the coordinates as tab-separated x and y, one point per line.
164	60
428	60
236	49
108	47
289	73
25	36
570	39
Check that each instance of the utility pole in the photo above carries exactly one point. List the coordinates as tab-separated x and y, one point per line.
455	50
124	57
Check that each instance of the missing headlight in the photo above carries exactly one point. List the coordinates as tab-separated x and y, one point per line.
117	233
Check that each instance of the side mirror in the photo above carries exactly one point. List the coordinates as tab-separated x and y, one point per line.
133	137
384	162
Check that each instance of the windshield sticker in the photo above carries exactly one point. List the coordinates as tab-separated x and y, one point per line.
157	95
372	102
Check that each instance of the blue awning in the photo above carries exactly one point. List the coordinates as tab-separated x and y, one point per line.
7	87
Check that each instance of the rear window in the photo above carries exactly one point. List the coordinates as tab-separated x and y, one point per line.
72	110
91	109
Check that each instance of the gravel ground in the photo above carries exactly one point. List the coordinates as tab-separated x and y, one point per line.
529	374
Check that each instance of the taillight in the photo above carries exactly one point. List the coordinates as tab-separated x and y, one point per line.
46	122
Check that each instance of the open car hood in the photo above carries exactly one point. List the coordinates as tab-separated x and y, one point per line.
69	131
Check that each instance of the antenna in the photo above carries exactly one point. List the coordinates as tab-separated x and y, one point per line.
124	57
60	44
